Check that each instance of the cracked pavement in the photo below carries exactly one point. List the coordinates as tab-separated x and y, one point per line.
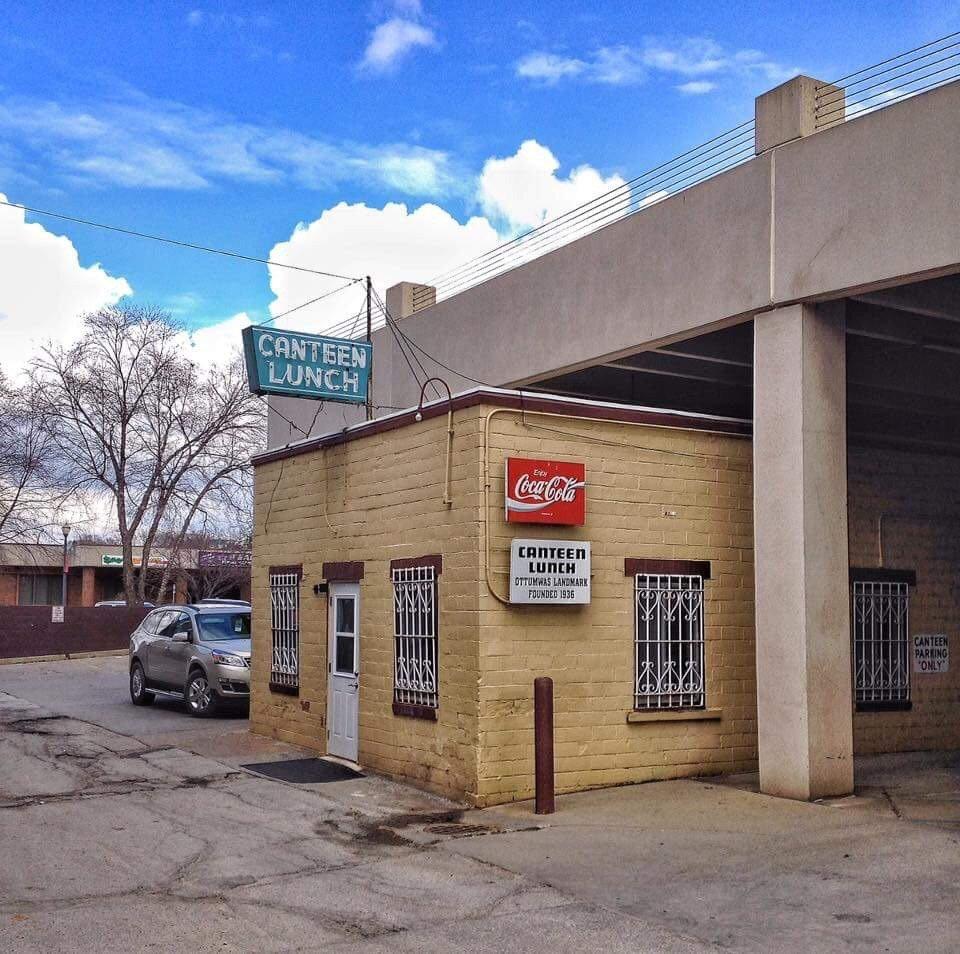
126	828
112	843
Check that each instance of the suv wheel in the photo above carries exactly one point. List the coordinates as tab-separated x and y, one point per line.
139	693
200	695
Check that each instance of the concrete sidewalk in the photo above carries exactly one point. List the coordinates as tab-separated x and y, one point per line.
747	872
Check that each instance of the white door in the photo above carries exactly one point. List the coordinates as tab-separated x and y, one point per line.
344	667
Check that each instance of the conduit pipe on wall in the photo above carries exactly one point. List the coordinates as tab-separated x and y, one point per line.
523	414
448	469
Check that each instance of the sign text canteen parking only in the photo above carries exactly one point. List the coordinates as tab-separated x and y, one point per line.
931	653
307	366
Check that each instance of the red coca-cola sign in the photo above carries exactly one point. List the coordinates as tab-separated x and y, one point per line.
545	491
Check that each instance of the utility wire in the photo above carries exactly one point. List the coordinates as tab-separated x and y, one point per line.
313	301
169	241
413	345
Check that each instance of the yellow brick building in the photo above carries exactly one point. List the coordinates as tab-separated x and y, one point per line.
368	516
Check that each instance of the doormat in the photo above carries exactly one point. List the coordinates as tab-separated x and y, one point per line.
304	770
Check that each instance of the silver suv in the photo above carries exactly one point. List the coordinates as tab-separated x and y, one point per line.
199	652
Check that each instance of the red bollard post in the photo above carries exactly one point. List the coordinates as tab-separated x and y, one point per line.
543	744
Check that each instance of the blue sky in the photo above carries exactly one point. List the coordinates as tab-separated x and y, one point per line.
229	125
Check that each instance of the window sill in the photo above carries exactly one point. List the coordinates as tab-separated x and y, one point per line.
284	690
675	715
413	711
884	706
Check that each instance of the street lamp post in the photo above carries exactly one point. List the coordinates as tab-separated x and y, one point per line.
66	533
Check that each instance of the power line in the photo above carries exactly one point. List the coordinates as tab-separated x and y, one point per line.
412	344
169	241
313	301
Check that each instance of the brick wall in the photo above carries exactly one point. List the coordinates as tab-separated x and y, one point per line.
373	500
651	493
379	498
8	587
29	631
919	497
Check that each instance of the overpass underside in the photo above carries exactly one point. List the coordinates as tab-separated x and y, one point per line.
902	370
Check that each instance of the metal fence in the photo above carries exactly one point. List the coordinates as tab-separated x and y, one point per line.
891	81
415	634
669	642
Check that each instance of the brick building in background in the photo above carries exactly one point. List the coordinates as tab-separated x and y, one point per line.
32	574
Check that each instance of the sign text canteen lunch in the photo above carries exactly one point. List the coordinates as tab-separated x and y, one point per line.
550	571
306	366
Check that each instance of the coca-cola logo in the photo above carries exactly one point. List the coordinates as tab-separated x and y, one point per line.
538	492
545	492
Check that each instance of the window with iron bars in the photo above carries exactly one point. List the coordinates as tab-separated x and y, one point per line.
415	635
285	629
669	642
881	642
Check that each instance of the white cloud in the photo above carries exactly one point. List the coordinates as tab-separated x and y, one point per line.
688	57
216	343
141	142
43	287
691	56
697	87
524	189
549	67
395	243
392	41
391	244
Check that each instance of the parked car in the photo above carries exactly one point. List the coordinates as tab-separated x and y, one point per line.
199	652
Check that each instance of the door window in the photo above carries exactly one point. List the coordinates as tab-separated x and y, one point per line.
345	624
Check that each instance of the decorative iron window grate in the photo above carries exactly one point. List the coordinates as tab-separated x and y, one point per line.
415	634
285	628
881	642
669	642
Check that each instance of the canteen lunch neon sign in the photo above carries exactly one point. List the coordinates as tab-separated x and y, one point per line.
307	366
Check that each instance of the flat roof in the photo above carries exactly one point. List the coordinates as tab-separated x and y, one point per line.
520	401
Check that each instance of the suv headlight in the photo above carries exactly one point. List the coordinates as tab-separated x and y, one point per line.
228	659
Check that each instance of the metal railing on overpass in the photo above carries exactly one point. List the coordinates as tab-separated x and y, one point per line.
900	77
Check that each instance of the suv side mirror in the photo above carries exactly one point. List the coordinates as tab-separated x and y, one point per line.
181	637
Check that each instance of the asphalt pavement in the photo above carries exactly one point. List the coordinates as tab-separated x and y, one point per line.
136	829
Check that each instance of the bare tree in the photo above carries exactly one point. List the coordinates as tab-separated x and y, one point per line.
132	416
28	499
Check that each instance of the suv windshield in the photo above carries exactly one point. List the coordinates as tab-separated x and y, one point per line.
217	626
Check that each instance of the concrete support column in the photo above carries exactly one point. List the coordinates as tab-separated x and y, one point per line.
88	588
804	699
